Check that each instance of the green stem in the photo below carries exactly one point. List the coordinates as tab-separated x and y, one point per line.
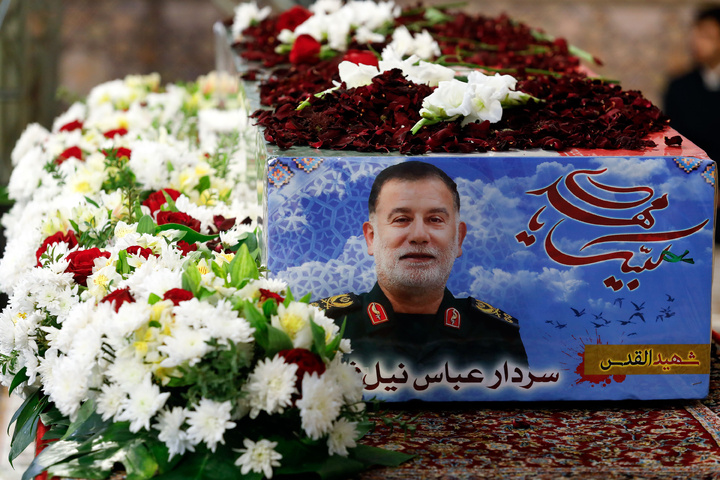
421	123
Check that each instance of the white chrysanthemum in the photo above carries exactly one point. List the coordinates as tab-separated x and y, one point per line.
33	136
270	386
251	291
347	378
110	400
294	320
208	422
143	401
260	457
325	6
127	369
245	14
342	436
64	381
76	112
184	345
170	424
319	406
225	324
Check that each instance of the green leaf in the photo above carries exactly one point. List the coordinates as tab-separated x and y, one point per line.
269	307
191	236
191	277
203	184
218	270
288	297
161	455
207	465
306	298
169	200
122	267
19	378
26	422
139	462
153	299
277	340
84	421
258	321
378	456
339	468
318	334
333	346
91	202
146	225
243	267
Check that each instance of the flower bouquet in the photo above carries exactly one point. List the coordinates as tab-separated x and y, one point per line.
371	77
141	329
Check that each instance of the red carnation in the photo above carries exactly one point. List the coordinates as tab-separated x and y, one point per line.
118	297
68	238
157	199
69	153
179	218
74	125
291	19
306	361
186	248
119	152
143	252
361	57
177	295
117	131
81	263
267	294
223	224
305	50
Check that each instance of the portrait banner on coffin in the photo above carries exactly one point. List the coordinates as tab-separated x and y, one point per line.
515	278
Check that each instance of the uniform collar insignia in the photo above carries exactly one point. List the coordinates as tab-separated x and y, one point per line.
452	318
377	313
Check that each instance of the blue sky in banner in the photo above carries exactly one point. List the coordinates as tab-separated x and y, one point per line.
315	243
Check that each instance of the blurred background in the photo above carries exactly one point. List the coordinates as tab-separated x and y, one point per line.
53	52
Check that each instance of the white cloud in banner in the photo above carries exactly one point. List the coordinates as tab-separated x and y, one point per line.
559	285
631	169
353	271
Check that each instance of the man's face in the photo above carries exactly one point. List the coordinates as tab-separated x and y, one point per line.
415	234
706	43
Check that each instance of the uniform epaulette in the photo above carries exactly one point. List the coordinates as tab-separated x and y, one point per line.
493	311
338	304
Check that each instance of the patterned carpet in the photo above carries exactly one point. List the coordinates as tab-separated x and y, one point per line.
640	440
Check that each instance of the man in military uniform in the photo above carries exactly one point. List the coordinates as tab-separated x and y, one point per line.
415	233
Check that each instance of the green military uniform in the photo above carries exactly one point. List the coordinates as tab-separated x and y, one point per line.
464	332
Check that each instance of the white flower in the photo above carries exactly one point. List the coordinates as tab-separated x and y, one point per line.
245	15
356	75
420	44
110	400
319	406
447	101
270	386
170	423
260	457
295	321
430	74
342	436
184	344
347	378
208	422
143	401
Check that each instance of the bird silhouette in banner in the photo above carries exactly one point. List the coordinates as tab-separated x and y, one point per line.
578	313
638	314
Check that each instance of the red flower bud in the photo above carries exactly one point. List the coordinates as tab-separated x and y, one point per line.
306	361
179	218
58	237
81	263
177	295
117	131
305	50
291	19
138	250
74	125
157	199
69	153
118	297
361	57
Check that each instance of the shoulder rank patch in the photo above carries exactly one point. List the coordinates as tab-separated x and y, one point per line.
338	304
495	312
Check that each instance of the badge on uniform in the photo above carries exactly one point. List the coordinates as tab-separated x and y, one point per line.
452	318
377	313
